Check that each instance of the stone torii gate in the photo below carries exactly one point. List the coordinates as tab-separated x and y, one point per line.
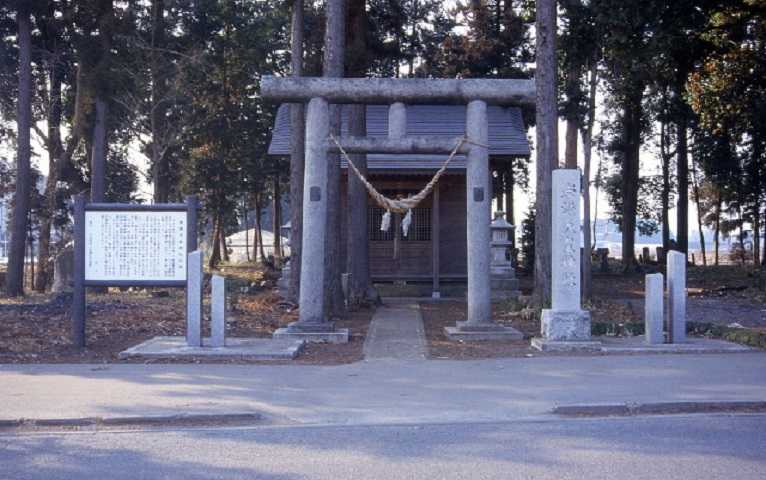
319	92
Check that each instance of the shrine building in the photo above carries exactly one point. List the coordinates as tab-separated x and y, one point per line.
434	249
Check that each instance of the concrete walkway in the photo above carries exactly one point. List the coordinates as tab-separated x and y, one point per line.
380	391
396	331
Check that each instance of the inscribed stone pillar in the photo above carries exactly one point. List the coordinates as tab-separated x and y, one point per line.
218	312
311	313
653	309
478	214
565	325
194	299
565	293
676	269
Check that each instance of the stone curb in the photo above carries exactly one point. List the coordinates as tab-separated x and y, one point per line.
136	421
667	408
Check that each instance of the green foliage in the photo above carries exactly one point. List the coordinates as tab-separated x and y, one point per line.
528	241
121	178
403	33
227	124
648	211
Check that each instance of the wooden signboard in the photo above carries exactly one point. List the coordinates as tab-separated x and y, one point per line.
128	245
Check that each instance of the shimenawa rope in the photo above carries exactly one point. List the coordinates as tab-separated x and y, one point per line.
403	205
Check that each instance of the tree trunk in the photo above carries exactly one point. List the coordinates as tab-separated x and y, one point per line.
160	169
763	252
98	158
547	145
632	141
665	196
570	152
297	160
756	234
258	227
48	210
756	240
587	142
757	154
31	241
14	282
696	192
357	249
247	230
334	51
572	83
595	199
717	227
682	222
741	234
99	138
277	222
222	238
254	257
215	254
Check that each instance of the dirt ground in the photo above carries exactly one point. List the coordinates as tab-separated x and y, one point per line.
36	329
719	295
436	316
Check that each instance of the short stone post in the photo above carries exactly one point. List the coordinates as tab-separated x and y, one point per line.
218	312
503	279
676	269
653	309
194	278
565	326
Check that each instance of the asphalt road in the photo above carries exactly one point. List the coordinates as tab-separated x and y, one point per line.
671	447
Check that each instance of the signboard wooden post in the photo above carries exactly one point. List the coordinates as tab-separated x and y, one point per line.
129	245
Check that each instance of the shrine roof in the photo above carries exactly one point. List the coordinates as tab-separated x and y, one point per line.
507	135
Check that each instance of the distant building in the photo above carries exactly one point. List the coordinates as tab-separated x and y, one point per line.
608	235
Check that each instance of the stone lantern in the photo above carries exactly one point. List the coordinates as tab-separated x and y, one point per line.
503	281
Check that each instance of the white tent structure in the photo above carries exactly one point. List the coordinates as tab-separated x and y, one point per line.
237	245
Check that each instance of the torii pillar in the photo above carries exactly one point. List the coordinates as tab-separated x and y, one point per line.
479	324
